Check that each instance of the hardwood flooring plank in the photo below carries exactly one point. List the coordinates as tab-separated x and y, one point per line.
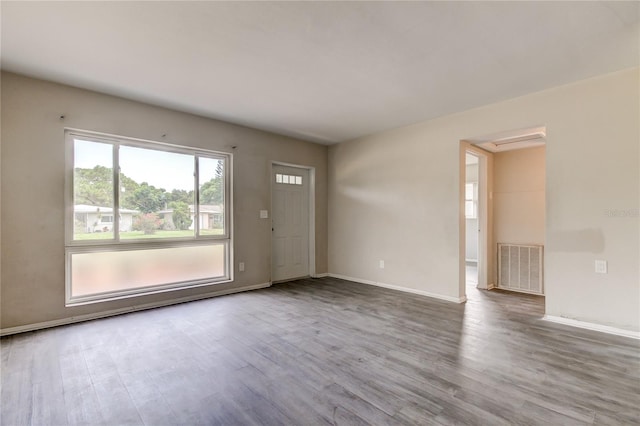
48	405
287	393
341	398
17	398
150	403
82	405
116	404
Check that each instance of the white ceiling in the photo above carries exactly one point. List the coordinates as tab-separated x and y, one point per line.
322	71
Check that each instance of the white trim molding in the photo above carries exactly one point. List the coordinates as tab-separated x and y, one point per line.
593	326
404	289
114	312
323	275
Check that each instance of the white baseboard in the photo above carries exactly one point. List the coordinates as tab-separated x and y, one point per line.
404	289
323	275
491	286
113	312
471	260
593	326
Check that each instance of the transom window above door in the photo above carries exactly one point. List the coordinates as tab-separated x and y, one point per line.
288	179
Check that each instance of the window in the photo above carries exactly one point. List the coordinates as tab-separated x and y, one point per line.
172	206
471	200
288	179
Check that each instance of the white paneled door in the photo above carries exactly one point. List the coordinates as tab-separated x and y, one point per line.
290	222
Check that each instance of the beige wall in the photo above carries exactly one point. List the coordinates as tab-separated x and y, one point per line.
518	196
396	196
33	167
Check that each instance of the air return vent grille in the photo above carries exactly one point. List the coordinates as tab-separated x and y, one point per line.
520	268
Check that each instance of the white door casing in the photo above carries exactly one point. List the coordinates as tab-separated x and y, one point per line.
290	222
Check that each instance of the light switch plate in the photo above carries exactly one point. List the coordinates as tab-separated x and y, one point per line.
264	214
241	266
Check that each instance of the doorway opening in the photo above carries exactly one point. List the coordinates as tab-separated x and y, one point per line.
502	215
476	224
472	214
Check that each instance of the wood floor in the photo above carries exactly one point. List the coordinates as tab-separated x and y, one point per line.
323	351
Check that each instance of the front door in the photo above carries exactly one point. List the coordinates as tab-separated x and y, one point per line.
290	222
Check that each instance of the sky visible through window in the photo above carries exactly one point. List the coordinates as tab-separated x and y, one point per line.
143	165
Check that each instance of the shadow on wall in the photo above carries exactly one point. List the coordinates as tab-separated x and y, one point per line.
577	241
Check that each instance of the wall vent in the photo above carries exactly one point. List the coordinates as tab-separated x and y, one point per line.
520	268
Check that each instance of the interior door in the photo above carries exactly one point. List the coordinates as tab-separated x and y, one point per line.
290	222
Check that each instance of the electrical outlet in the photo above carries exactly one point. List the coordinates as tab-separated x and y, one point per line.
241	266
382	264
601	266
264	214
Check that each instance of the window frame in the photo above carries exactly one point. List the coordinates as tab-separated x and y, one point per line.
73	246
